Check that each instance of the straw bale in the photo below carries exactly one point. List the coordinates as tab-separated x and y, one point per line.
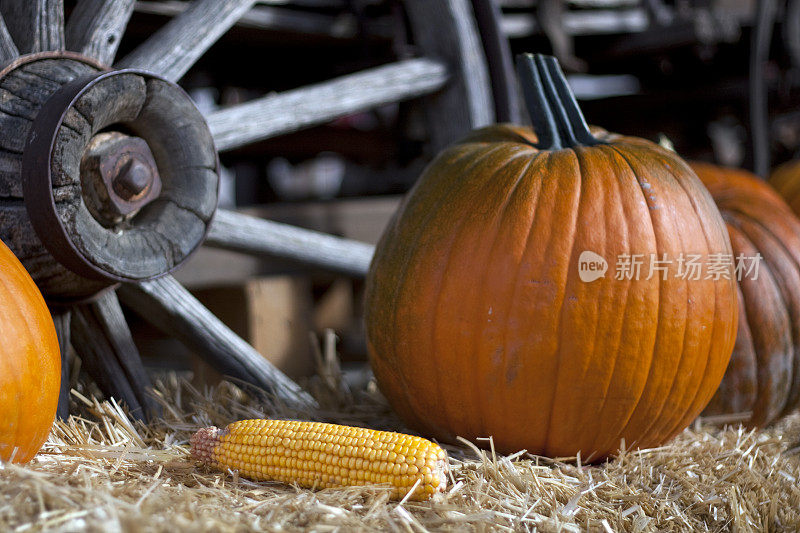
99	471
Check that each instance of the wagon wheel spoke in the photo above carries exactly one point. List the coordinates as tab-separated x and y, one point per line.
446	29
256	236
104	343
61	319
296	109
498	55
73	104
166	304
8	50
95	27
173	49
35	25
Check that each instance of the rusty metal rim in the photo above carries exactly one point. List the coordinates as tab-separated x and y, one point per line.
37	180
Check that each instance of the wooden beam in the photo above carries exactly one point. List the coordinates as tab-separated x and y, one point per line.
95	27
580	23
507	100
446	29
174	48
289	111
272	18
104	343
35	25
167	305
8	50
252	235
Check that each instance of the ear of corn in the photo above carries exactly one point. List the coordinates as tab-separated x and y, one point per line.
319	455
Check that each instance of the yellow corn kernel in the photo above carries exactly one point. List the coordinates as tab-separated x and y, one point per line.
315	454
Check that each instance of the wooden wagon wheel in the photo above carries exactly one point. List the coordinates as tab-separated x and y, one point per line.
109	175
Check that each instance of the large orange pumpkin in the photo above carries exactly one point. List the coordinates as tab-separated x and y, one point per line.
30	363
479	324
763	378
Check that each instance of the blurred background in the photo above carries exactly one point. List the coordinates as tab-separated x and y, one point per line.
719	79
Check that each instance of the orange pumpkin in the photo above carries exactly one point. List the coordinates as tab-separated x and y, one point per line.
786	180
478	321
763	378
30	363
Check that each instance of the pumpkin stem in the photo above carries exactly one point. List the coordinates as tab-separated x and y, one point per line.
556	117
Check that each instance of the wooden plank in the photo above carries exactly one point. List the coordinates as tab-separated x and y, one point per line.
8	50
174	48
269	18
104	343
585	4
170	307
35	25
95	27
300	108
61	320
579	23
446	29
251	235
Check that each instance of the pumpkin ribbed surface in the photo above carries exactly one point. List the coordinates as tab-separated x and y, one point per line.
30	363
479	325
764	374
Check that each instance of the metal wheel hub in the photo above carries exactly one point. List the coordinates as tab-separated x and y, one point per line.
119	173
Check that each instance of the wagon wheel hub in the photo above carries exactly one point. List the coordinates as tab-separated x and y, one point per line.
119	173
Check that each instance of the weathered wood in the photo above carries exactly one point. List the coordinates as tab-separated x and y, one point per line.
95	27
170	307
171	226
269	18
35	25
104	343
61	319
610	4
22	93
246	234
8	50
300	108
507	100
581	23
174	48
445	29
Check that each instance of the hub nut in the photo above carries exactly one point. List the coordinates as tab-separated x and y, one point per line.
119	176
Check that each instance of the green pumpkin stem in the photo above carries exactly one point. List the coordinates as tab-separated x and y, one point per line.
556	117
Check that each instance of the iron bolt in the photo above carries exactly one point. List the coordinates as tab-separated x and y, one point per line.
133	179
119	176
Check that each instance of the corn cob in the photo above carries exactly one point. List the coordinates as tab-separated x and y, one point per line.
319	455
